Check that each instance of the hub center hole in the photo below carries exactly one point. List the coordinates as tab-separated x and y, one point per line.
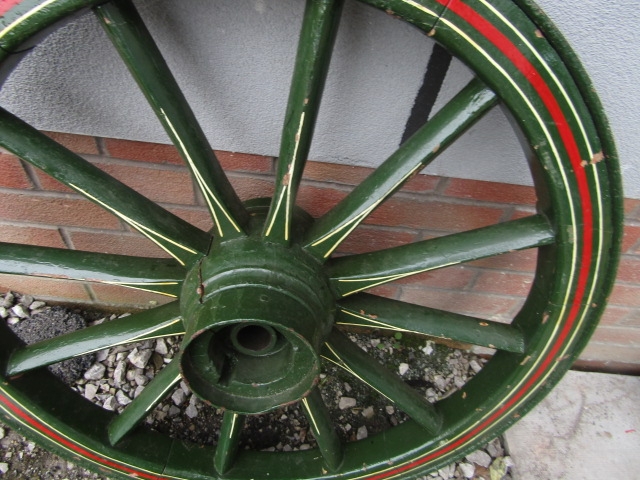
254	338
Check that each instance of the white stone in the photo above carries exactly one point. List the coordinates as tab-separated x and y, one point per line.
178	397
368	412
8	299
122	398
110	403
4	467
90	391
161	346
468	470
120	372
18	311
140	379
185	388
403	368
479	457
102	355
362	433
475	366
447	472
36	305
494	448
95	372
346	402
139	358
191	411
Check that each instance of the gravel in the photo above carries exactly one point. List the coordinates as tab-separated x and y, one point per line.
114	377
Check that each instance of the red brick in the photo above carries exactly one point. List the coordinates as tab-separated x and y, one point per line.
421	184
244	162
630	239
250	187
198	216
631	320
335	173
434	215
142	151
519	261
467	303
318	201
81	144
504	283
623	336
605	354
120	243
115	295
387	291
55	211
160	185
168	186
632	208
625	295
629	269
46	237
51	184
367	239
352	175
491	191
12	174
45	288
450	278
517	214
615	316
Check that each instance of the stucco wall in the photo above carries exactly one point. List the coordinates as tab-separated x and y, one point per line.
234	61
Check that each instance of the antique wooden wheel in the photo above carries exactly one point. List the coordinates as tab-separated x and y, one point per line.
259	297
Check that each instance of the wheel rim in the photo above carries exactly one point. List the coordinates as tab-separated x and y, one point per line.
576	233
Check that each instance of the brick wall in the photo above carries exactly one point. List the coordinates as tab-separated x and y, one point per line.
35	209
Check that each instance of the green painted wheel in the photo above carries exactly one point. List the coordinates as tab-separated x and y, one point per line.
259	297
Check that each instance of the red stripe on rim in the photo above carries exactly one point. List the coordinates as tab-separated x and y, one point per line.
6	5
520	61
46	431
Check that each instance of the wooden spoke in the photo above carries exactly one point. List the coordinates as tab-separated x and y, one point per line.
159	322
152	394
145	62
158	275
323	429
365	310
182	240
319	28
228	441
341	351
422	148
359	272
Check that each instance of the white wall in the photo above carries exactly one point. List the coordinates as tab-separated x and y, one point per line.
233	59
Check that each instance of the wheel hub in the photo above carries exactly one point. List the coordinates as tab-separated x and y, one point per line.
256	315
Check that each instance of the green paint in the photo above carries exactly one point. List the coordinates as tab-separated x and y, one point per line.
456	117
159	275
319	28
145	62
259	304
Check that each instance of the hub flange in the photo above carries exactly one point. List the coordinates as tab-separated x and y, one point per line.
256	315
